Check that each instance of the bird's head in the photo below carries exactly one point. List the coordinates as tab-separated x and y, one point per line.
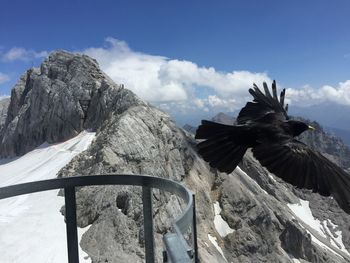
298	127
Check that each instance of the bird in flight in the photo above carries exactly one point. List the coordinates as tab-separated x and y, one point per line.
265	126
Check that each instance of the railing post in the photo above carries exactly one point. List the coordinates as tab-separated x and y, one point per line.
148	223
194	231
71	224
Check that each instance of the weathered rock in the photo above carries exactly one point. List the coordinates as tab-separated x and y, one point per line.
329	145
108	239
189	128
142	140
224	118
4	104
296	242
46	103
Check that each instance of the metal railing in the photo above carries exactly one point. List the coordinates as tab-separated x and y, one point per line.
177	249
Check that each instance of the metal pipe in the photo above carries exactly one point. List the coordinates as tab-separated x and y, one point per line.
71	225
148	223
181	224
194	231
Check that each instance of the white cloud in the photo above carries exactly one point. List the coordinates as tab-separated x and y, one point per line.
138	71
199	103
22	54
183	86
225	84
308	95
159	79
4	78
215	101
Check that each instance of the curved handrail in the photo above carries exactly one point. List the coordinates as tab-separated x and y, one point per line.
180	225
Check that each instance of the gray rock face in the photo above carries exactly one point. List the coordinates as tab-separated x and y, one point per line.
46	103
142	140
190	129
4	104
134	137
296	242
329	145
223	118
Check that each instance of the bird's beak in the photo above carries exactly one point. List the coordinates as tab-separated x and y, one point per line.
311	128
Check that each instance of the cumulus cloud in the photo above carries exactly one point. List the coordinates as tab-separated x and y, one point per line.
199	103
160	79
22	54
183	86
216	103
138	71
225	84
308	95
4	78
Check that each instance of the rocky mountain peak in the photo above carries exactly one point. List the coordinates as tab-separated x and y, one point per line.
328	144
4	104
223	118
67	94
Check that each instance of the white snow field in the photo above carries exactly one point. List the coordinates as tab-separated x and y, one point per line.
32	228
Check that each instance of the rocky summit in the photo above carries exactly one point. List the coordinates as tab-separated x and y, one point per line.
246	216
69	93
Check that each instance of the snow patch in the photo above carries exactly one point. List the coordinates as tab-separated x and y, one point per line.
240	171
83	256
272	178
303	213
336	239
221	225
216	245
31	226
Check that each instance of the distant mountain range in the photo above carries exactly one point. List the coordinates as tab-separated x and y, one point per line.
334	118
343	134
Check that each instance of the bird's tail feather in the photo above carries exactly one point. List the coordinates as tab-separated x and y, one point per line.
210	129
221	149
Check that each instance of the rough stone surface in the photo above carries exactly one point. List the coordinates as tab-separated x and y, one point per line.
142	140
224	118
296	242
329	145
45	102
134	137
4	104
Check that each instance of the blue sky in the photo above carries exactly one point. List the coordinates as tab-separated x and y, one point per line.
304	45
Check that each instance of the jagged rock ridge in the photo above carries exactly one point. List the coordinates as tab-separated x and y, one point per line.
4	104
46	103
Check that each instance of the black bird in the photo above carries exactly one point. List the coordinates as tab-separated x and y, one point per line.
265	126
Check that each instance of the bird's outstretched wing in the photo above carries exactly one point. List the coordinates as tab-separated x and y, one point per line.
297	164
263	104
